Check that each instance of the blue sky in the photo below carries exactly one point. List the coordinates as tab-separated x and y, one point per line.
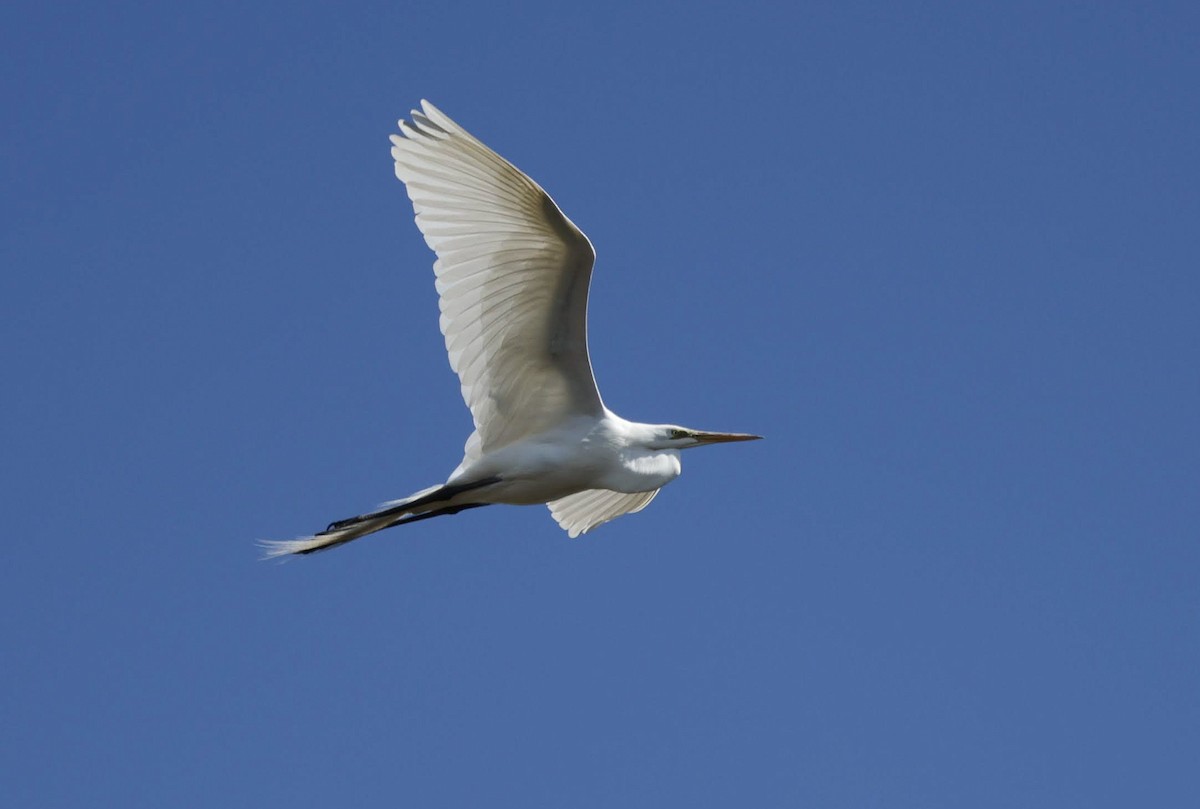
944	256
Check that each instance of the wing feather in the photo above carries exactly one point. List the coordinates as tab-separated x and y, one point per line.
512	279
579	513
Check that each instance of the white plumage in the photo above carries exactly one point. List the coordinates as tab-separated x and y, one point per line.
512	279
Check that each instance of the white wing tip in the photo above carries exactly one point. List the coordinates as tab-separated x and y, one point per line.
581	512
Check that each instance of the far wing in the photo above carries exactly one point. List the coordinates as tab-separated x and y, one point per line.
512	276
580	513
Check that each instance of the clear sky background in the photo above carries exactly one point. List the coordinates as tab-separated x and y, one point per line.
944	256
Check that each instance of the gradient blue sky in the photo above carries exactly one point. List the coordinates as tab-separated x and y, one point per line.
944	256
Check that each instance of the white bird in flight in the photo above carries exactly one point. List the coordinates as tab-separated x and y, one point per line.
512	281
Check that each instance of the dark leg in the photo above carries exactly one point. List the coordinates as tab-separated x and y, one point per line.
438	513
444	493
406	520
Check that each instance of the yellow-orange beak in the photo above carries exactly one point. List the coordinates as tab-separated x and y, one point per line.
703	437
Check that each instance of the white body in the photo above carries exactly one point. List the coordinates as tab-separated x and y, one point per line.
582	453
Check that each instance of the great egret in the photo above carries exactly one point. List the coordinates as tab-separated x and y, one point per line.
512	280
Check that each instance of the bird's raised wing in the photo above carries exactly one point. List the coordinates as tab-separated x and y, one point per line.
581	512
512	277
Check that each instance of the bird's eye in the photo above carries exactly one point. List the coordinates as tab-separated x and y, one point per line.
679	433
